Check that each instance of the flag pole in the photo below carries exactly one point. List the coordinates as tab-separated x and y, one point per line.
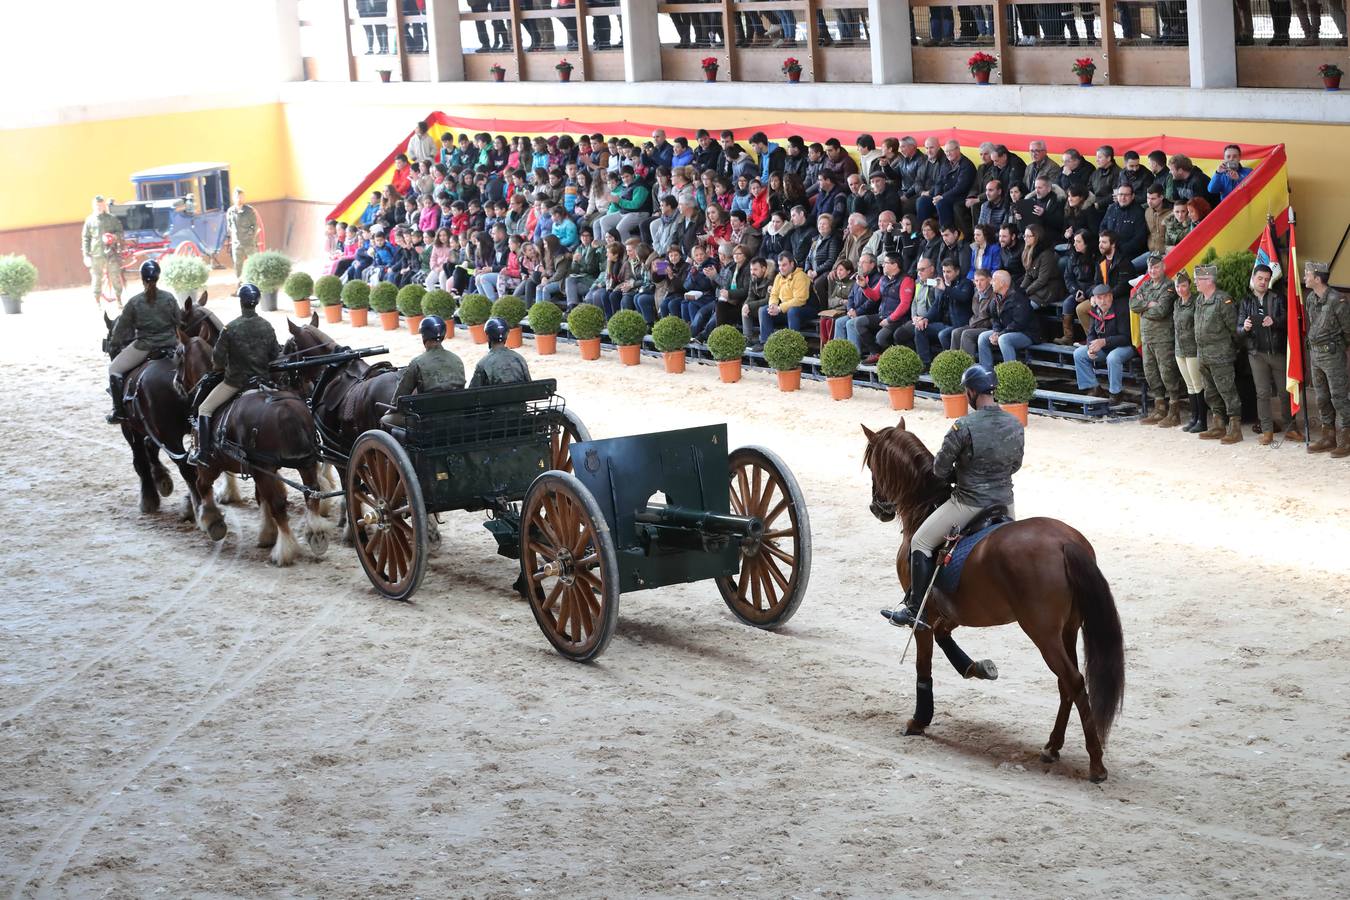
1302	335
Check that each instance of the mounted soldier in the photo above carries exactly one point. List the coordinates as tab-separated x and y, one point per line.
242	354
501	365
434	369
147	325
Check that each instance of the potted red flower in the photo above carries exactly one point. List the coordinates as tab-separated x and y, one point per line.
564	69
1084	68
1331	76
980	65
709	66
498	73
793	68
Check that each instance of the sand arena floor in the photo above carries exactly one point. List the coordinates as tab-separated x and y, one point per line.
183	719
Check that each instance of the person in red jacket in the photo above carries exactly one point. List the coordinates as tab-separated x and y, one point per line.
893	295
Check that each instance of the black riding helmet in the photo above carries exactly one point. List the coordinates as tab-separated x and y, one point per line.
432	329
249	295
149	271
979	379
496	328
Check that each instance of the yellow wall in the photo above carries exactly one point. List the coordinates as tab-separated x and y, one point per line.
48	175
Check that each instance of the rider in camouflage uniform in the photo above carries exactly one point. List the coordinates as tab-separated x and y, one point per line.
148	323
1216	339
242	222
243	352
1328	313
435	369
502	365
94	248
1153	302
980	453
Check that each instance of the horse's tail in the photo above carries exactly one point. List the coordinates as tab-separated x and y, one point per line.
1103	642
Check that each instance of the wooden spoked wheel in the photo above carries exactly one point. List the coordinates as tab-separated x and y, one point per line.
387	517
568	565
775	570
570	431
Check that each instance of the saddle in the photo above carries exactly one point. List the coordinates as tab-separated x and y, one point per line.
958	546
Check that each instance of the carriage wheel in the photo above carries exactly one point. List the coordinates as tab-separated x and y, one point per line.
568	564
387	517
570	431
775	571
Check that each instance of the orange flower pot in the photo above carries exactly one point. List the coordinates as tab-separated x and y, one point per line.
901	397
790	380
332	314
674	361
389	320
730	370
359	317
1017	409
955	405
449	329
515	338
302	309
546	344
478	333
630	354
841	387
590	348
414	323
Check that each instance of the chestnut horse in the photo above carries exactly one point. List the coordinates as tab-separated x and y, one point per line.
1039	573
275	429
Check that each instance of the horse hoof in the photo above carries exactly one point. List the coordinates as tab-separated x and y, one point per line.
1098	777
216	530
165	484
1049	756
150	503
984	669
318	543
912	728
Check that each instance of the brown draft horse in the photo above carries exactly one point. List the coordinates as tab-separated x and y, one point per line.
276	430
1039	573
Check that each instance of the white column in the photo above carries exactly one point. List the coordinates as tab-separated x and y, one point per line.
641	40
290	67
892	56
447	50
1209	26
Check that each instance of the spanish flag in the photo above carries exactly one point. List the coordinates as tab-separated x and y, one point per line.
1294	365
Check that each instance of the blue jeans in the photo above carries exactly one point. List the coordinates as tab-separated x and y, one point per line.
942	210
941	23
702	317
798	318
945	335
1115	368
646	304
1010	343
846	329
689	309
487	284
670	304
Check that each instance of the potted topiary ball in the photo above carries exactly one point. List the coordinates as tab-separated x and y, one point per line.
328	291
299	287
783	351
899	369
545	319
268	271
946	371
627	328
358	297
1016	387
512	309
17	277
385	303
441	303
671	335
474	310
585	322
838	361
185	276
727	345
409	303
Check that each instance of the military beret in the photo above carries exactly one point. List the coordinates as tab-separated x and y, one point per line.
1317	268
1155	257
1206	271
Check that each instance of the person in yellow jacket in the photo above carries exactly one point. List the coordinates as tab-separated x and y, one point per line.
790	301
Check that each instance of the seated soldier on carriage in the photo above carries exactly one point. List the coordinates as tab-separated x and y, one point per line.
501	365
434	369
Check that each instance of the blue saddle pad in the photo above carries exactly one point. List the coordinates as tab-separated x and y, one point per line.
949	578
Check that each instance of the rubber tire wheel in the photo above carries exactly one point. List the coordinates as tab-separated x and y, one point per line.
776	612
381	445
571	431
581	502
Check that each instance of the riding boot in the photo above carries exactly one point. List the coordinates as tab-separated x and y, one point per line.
1159	412
1325	443
1234	434
921	569
201	433
1342	444
116	384
1066	339
1198	412
1173	417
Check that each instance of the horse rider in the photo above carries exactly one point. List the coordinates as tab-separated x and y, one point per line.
148	323
242	353
979	455
434	369
502	365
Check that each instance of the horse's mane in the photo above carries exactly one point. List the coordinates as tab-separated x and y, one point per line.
903	469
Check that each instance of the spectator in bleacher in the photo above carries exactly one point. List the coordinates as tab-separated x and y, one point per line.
1197	208
929	245
985	252
1080	275
1108	338
886	238
1156	215
1011	169
1230	173
838	161
1125	218
700	289
1216	338
996	209
1044	207
1154	301
885	197
421	146
894	294
798	241
856	237
1103	180
830	198
1010	250
371	213
837	289
733	289
789	301
588	263
956	293
756	299
771	157
1041	279
950	186
1041	165
1263	324
667	284
605	292
952	247
402	179
863	301
1012	324
1114	269
868	155
965	336
1184	180
665	227
985	172
1134	174
708	153
1074	173
1078	214
926	313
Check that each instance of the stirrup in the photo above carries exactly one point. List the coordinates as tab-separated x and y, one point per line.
904	617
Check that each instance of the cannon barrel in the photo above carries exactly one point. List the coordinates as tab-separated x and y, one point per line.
702	521
327	359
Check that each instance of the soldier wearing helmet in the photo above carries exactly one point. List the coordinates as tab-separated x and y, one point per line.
501	365
434	369
148	323
243	352
979	455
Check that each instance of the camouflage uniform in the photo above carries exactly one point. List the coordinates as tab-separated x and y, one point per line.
500	366
242	222
243	352
1328	336
436	369
1216	340
142	328
1154	302
92	247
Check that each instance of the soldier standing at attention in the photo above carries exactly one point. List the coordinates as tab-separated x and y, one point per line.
94	249
1328	334
1216	339
243	352
501	365
1154	302
434	369
242	222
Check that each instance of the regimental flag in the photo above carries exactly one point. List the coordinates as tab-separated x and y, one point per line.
1267	255
1294	366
